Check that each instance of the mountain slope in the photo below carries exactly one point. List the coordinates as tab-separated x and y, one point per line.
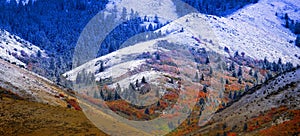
30	86
254	30
165	9
276	103
16	50
20	117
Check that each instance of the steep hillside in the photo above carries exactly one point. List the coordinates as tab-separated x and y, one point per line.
254	30
270	109
32	87
16	50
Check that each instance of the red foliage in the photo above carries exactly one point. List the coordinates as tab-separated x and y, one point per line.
61	95
74	104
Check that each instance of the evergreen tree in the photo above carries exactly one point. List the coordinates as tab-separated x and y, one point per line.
117	96
137	83
232	67
256	75
240	72
210	71
234	74
102	95
236	54
297	42
247	88
286	17
234	95
205	89
147	111
240	81
124	14
201	101
202	77
207	60
196	77
158	103
226	49
150	27
156	20
157	56
251	72
144	80
245	127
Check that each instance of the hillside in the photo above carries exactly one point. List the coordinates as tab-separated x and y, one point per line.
16	50
271	109
32	87
23	118
247	30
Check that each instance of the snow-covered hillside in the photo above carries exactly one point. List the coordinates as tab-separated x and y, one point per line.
12	48
162	8
258	32
117	63
30	86
254	30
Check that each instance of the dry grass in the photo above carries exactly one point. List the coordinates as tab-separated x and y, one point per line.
19	117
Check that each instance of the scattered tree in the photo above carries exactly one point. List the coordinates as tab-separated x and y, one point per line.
144	80
147	111
240	72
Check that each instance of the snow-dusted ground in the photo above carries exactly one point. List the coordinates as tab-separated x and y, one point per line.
165	9
255	30
29	85
116	63
12	44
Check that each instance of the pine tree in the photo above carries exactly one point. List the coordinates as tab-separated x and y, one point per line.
234	74
158	103
124	14
255	75
207	60
297	42
144	80
251	72
245	127
102	95
210	71
137	83
247	88
150	27
236	54
232	67
197	77
286	17
156	20
101	69
226	49
240	72
205	89
117	96
240	81
234	95
147	111
202	77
